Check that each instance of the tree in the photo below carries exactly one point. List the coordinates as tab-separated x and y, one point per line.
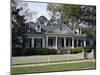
82	12
90	32
42	20
54	13
19	27
74	15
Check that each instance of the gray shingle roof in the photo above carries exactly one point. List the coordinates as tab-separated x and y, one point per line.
53	29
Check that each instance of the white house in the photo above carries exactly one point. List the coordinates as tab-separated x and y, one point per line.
55	36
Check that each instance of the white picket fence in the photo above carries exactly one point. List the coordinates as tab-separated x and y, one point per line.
49	58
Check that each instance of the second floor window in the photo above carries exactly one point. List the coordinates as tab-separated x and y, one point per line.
38	28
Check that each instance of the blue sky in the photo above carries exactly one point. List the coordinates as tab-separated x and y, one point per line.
40	8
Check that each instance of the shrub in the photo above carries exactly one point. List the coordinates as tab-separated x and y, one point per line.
87	49
45	51
65	51
32	51
16	51
42	51
27	52
53	51
76	50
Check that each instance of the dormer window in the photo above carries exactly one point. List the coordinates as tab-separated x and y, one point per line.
38	28
60	28
29	28
77	31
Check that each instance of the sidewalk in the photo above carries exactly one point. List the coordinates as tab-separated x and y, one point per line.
53	63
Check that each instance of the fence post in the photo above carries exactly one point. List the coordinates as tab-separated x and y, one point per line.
84	54
48	58
94	53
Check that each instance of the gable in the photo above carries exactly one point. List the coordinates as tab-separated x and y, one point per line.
62	29
56	29
44	28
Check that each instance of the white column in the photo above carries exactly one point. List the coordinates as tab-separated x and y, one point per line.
72	42
68	42
76	42
64	42
32	45
46	41
84	42
43	42
56	42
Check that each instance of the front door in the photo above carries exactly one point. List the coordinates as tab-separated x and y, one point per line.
60	42
38	43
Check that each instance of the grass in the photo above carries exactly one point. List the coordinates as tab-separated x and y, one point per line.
54	68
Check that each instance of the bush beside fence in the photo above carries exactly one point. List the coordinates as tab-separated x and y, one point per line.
46	51
76	50
32	51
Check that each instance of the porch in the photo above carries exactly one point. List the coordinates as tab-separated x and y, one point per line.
64	42
56	42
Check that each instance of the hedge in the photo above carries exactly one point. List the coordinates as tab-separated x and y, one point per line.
88	49
16	51
32	51
76	50
79	50
46	51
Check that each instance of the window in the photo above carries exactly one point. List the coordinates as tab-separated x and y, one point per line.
29	28
28	43
60	28
38	43
38	28
50	42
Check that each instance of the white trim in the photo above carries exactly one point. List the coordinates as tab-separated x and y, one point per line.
64	42
46	42
32	42
56	41
77	42
84	42
73	42
43	42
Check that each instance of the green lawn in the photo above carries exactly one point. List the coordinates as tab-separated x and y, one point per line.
52	68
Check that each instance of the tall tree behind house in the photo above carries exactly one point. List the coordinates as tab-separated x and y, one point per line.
19	27
76	14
